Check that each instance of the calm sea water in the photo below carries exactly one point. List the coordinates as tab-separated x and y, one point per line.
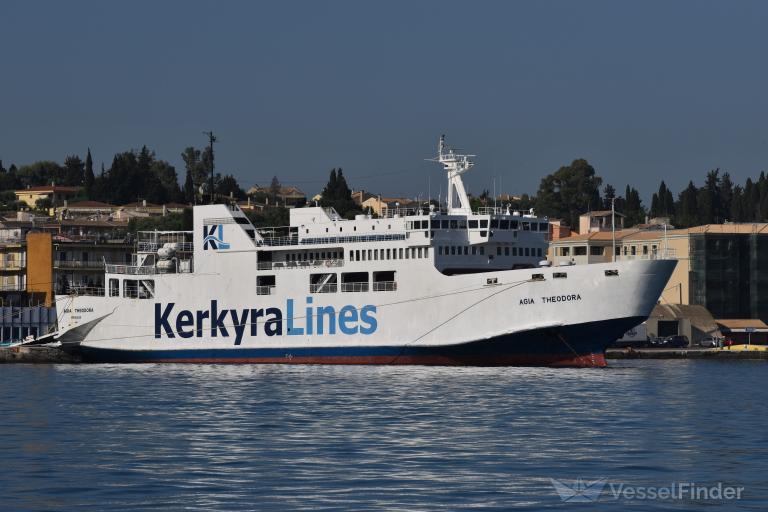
173	437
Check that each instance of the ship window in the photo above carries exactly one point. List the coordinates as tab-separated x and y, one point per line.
494	223
537	277
454	224
354	228
538	252
466	250
413	253
534	226
453	250
131	288
114	287
610	273
543	227
482	250
375	254
560	275
462	224
483	234
351	255
407	255
474	250
370	256
513	224
498	250
526	226
381	254
473	224
265	285
384	281
389	256
506	251
527	251
326	230
389	226
440	250
354	282
307	231
419	252
484	223
401	253
444	224
492	280
394	254
323	283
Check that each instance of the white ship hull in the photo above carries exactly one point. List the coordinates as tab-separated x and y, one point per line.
430	319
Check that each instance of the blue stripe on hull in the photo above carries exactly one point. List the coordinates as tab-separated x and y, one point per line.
573	345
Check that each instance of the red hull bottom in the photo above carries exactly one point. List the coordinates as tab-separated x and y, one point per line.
582	361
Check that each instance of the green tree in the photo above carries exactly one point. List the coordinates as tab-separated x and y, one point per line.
687	208
569	192
89	177
274	190
338	195
229	187
72	173
708	199
39	173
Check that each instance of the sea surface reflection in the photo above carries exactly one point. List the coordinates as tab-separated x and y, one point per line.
215	437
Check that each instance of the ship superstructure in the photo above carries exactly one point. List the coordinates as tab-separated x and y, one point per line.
421	286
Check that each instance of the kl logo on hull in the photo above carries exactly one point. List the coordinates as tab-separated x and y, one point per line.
213	237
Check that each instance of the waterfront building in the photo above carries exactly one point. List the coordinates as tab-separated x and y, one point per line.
602	220
56	194
723	267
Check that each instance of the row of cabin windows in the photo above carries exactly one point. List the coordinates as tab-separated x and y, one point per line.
402	253
311	256
459	250
513	224
133	288
520	251
596	250
477	224
463	250
354	228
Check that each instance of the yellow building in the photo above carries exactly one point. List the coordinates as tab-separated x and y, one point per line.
56	194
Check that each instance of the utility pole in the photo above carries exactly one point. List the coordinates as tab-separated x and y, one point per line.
211	140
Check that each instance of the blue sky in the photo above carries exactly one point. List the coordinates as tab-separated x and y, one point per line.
644	90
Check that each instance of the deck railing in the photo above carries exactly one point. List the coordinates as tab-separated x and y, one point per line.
354	287
384	286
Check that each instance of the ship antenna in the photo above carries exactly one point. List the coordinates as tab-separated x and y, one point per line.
455	165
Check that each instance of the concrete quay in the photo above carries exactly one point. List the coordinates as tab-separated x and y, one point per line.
38	355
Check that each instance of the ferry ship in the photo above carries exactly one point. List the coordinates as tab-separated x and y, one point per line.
427	286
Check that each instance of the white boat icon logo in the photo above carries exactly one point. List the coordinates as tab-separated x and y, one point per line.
579	491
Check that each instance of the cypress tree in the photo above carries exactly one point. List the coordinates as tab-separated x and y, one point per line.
89	177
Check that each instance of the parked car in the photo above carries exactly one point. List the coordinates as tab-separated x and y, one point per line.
677	341
656	342
710	342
